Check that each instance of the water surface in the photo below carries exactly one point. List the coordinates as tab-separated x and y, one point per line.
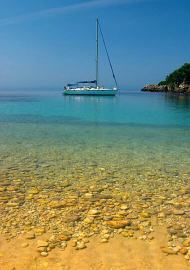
82	152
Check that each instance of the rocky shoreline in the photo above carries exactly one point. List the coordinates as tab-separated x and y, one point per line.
183	88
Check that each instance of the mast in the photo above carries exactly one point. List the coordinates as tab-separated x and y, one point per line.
106	49
97	52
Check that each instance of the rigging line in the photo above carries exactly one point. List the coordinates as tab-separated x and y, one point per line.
108	54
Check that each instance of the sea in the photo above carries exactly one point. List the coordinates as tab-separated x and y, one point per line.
73	163
132	131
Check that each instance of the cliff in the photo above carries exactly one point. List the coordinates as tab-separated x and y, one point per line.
177	82
181	88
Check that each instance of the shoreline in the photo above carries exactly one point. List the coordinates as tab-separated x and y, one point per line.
119	254
177	90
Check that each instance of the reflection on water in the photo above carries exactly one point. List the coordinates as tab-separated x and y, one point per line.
179	100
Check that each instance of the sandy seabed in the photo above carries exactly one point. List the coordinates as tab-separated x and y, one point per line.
118	254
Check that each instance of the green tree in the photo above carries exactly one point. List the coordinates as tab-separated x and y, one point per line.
178	76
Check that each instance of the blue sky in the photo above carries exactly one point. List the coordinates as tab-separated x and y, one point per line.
46	44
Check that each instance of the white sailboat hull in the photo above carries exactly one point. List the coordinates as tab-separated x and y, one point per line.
95	92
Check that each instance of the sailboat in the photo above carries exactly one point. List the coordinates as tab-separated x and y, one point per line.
93	87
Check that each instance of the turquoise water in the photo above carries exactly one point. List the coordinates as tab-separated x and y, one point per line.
134	131
57	150
131	108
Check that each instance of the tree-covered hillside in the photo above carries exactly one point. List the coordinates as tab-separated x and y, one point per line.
181	75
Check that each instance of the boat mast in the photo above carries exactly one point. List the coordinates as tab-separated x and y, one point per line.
97	52
106	49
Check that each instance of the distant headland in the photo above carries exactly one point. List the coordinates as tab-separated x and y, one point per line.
177	82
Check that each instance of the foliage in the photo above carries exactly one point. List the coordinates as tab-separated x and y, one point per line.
178	76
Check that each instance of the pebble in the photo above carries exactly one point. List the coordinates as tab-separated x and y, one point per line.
33	191
80	245
39	231
178	212
186	243
145	215
187	257
169	251
41	249
41	243
127	234
73	243
105	236
44	254
124	207
56	204
104	240
88	220
64	244
183	250
93	212
64	237
30	235
119	224
88	195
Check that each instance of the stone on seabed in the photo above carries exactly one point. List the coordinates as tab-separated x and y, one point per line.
124	207
178	212
93	212
169	251
44	254
145	215
65	237
118	224
56	204
41	243
30	235
88	220
127	234
80	245
186	243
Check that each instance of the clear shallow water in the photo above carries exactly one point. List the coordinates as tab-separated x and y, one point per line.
133	131
61	156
